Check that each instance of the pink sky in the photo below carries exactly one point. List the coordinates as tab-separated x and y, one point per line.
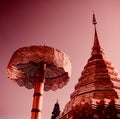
65	25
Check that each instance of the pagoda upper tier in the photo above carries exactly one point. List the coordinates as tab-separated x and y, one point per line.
99	78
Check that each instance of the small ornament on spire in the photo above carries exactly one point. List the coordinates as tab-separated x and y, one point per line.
94	20
45	42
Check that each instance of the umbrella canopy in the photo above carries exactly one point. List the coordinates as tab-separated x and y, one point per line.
26	61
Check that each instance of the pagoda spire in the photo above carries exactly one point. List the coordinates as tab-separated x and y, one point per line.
96	49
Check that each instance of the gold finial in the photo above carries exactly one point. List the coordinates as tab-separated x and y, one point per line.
45	42
94	20
57	100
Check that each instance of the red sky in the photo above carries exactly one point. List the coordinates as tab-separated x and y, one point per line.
65	25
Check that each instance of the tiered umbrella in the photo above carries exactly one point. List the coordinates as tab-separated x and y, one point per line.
41	68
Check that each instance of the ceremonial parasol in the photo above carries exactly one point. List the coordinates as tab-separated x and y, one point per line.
41	68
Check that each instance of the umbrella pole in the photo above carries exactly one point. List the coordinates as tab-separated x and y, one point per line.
38	92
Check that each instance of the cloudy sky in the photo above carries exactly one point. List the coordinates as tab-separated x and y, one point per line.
63	24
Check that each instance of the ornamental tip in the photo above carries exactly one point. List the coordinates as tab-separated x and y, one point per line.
45	42
94	19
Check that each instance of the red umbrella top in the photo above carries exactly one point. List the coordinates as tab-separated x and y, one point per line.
26	61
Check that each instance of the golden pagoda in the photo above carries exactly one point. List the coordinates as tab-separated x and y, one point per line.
97	93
